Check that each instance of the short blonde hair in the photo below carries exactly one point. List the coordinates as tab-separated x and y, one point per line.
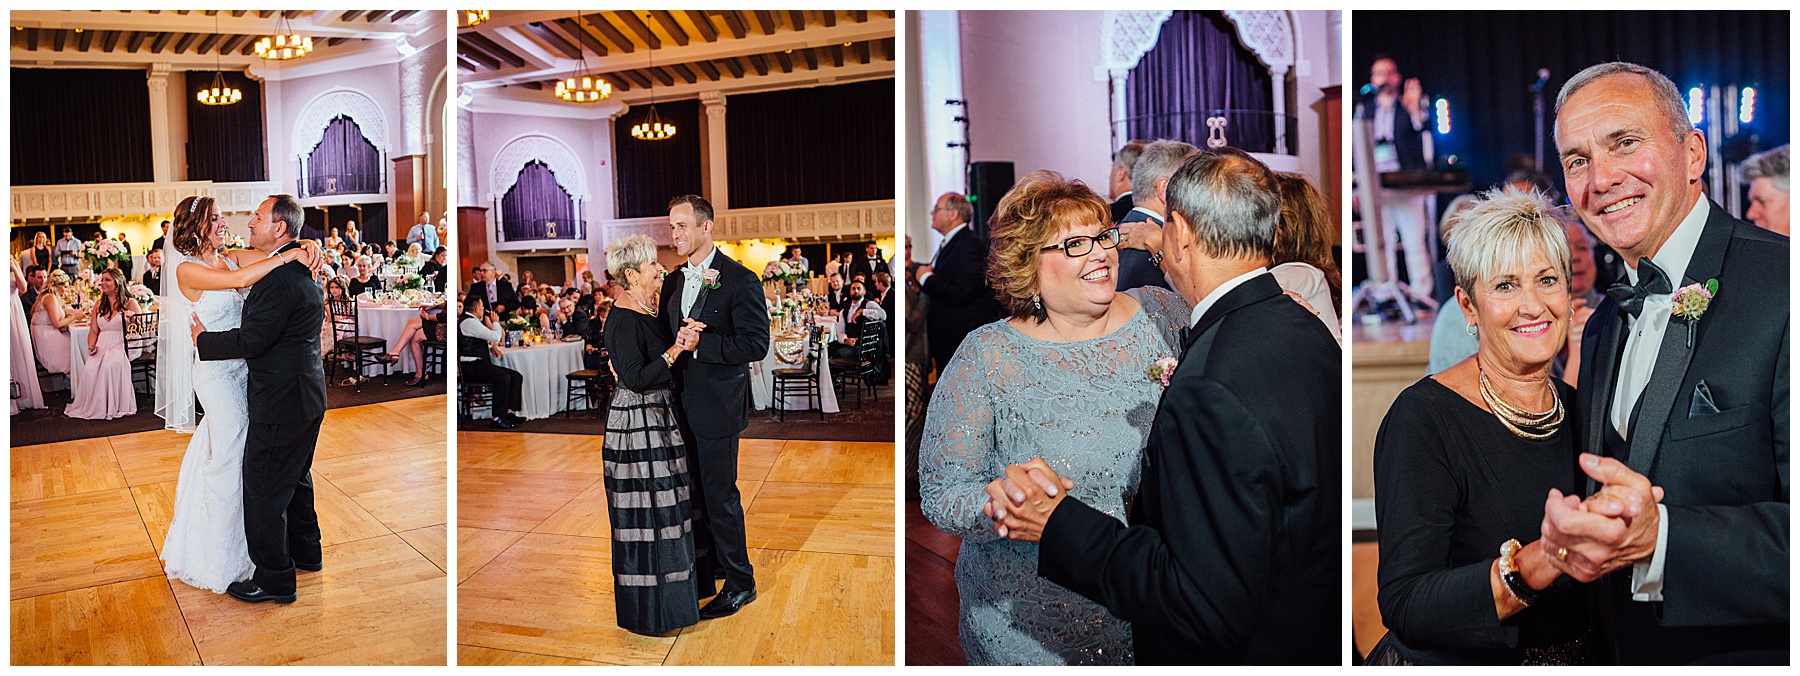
1040	206
1501	232
630	253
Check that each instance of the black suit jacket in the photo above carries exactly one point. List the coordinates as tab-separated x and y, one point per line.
714	381
961	299
508	298
1723	466
867	267
153	279
279	339
1135	268
1409	141
1233	552
1121	207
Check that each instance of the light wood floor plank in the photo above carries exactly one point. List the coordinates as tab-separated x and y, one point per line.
811	608
76	541
475	547
124	623
514	499
843	462
551	595
403	487
837	518
150	457
65	468
431	542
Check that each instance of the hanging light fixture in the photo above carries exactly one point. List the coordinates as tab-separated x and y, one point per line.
583	86
653	128
219	94
474	17
284	44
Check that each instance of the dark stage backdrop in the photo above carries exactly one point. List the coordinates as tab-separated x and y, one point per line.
1485	63
80	126
343	162
534	202
1196	67
649	173
815	145
225	143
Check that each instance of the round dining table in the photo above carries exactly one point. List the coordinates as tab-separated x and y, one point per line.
545	367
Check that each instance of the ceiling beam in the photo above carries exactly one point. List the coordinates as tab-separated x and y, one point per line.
206	45
83	40
859	15
186	41
556	42
703	23
232	43
661	74
707	68
294	13
687	74
734	22
786	61
350	15
737	69
464	63
812	58
468	52
375	16
759	63
580	31
670	26
797	19
401	15
829	16
635	77
110	40
58	39
333	42
239	12
488	46
767	19
31	39
136	39
637	26
162	40
265	13
611	33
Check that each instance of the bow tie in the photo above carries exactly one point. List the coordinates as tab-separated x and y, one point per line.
1652	281
691	271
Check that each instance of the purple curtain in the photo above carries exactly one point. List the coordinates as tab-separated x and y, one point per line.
80	126
226	143
344	162
535	204
1197	70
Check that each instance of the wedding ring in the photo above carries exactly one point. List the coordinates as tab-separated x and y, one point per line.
1562	553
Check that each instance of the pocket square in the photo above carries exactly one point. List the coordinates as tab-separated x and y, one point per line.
1701	404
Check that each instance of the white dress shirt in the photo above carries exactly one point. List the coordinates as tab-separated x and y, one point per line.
1212	298
1642	341
690	287
474	328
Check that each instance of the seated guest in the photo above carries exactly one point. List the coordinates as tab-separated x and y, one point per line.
36	279
335	242
857	310
589	322
106	392
528	297
435	271
412	339
391	250
496	292
1767	174
1303	238
365	280
50	321
415	252
1464	457
153	275
838	296
476	334
336	288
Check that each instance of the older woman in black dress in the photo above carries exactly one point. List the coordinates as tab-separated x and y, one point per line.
655	588
1465	459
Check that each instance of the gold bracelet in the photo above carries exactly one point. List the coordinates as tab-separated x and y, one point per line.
668	359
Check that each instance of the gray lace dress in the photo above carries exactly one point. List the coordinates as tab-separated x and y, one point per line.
1086	408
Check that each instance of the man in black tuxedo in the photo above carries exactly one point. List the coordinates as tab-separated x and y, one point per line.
1696	406
153	276
36	278
279	338
955	280
158	244
871	262
1141	229
1119	182
715	305
493	289
1232	555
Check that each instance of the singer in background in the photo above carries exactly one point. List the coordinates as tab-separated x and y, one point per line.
1402	128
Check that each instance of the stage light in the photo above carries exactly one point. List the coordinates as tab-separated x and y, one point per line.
1747	105
1696	106
1443	116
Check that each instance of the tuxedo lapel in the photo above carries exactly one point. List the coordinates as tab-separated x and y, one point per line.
1677	350
1604	371
700	299
673	301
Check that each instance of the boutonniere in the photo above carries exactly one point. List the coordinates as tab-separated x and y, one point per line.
1162	370
709	279
1690	302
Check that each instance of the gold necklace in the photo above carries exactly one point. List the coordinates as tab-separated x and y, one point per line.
1525	424
640	303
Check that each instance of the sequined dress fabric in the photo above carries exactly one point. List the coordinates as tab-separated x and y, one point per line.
1086	408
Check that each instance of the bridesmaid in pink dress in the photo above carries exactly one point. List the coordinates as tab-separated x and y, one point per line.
105	392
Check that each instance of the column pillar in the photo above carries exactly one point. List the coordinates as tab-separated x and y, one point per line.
465	156
1117	93
161	161
712	162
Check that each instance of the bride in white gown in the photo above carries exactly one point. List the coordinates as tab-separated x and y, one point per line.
205	546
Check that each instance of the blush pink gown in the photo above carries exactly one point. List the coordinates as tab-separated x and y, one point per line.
105	391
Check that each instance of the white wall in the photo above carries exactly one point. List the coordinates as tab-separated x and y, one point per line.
1034	96
590	140
287	98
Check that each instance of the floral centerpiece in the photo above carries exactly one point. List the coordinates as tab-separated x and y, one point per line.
146	299
788	273
411	282
105	253
407	262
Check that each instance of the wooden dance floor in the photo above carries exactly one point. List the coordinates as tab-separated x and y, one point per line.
89	516
534	566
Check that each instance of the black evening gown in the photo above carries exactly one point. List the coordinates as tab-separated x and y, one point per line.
655	587
1452	484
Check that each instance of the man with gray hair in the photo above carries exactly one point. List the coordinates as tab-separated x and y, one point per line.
1767	174
1119	183
1683	391
1233	549
1141	229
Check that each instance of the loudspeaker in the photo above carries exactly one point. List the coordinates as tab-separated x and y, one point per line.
988	182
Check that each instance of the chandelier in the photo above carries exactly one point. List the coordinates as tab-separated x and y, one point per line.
219	94
284	44
584	86
653	128
474	17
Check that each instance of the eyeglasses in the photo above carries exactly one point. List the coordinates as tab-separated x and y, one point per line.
1080	245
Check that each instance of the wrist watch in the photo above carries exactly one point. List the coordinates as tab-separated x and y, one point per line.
1511	578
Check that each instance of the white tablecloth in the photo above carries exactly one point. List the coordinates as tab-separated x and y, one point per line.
387	323
545	368
762	384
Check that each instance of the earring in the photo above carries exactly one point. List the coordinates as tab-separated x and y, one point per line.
1469	329
1037	304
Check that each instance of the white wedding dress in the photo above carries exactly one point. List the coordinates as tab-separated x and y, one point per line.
205	547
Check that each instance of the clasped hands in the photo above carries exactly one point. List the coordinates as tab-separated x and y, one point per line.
688	338
1021	502
1614	528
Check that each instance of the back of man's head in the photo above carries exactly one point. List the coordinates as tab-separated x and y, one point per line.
1159	160
1231	202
